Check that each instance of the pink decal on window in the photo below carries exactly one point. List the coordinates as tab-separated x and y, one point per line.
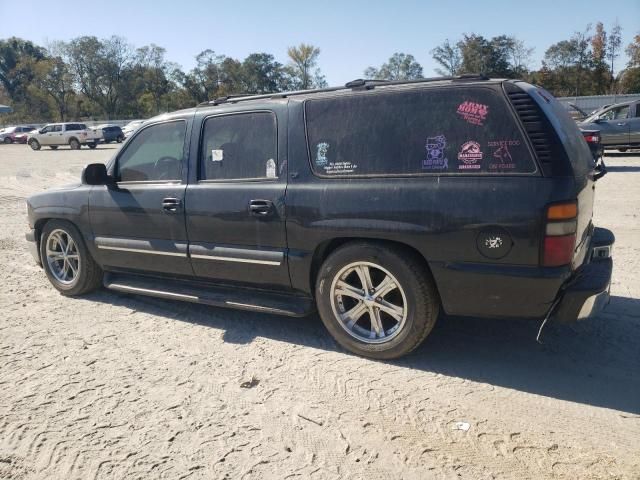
472	112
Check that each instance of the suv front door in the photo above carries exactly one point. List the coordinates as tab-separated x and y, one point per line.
235	198
138	224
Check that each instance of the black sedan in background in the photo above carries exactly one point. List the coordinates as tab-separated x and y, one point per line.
111	133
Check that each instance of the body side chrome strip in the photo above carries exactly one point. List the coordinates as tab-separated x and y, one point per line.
232	259
140	250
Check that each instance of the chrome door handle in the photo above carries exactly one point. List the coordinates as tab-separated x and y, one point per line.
171	205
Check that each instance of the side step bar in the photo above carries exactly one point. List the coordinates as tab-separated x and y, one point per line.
214	295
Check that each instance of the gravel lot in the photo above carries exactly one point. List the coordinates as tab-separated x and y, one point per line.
113	386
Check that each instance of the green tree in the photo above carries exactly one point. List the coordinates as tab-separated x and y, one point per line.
99	68
262	74
449	58
13	51
630	77
400	66
54	78
303	67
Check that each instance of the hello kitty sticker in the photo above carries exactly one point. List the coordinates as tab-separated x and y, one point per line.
436	153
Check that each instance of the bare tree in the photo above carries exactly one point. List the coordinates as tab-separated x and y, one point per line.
613	49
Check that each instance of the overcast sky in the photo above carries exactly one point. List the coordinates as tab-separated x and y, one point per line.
351	34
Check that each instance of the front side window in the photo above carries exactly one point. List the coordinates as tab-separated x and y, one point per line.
239	146
425	131
56	128
46	129
155	154
616	113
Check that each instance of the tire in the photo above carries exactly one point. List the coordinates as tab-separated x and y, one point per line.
92	145
8	140
120	139
415	296
34	144
53	147
74	144
622	150
88	274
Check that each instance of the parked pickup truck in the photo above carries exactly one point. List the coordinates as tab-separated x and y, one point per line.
54	135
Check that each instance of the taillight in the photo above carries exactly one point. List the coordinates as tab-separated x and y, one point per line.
560	234
592	138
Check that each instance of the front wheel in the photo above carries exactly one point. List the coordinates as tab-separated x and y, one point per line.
8	140
74	144
66	260
377	301
34	144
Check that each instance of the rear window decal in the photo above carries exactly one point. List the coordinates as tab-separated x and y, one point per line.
470	154
436	154
322	149
502	154
335	168
474	113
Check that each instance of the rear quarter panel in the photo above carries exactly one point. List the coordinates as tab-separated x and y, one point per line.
438	216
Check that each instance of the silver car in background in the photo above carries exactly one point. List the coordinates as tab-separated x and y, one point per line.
619	125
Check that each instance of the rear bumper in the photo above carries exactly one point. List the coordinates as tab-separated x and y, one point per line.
587	291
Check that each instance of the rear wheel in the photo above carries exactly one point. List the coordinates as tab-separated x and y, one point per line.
74	144
92	145
34	144
120	139
622	150
66	260
53	147
375	300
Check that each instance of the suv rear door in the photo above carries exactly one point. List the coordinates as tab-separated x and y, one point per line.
139	224
235	197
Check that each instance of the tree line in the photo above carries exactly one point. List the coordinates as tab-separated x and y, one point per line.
107	78
88	77
580	65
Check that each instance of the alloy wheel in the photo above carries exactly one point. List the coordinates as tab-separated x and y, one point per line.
368	302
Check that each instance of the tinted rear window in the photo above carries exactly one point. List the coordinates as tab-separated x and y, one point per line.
428	131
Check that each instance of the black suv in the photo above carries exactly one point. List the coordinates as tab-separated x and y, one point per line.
378	203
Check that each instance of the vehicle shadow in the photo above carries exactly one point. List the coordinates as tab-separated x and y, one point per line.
622	168
622	154
594	362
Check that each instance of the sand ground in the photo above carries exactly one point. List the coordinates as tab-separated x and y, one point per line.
115	386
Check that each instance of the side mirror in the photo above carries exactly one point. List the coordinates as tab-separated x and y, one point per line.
598	120
41	131
96	174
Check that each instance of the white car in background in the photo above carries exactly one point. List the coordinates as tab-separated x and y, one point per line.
55	135
131	127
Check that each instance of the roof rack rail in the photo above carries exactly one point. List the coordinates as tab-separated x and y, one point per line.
358	84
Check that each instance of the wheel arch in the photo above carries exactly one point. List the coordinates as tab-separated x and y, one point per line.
326	248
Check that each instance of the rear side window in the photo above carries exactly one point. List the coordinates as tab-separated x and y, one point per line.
427	131
239	146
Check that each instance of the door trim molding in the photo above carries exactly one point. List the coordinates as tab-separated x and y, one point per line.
140	250
235	259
